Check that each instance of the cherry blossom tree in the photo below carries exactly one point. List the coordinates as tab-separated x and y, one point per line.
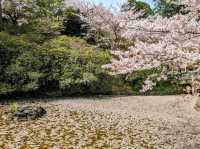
159	42
108	26
172	42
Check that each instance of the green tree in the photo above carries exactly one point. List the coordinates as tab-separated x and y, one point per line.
48	8
74	25
15	10
32	9
135	6
167	8
48	15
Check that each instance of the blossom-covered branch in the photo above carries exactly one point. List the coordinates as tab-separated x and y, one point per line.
157	40
160	41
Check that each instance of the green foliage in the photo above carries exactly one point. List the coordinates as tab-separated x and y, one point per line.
73	24
137	79
10	48
14	107
135	6
14	52
27	15
34	37
66	64
70	12
169	87
35	58
11	9
120	86
75	65
50	8
167	8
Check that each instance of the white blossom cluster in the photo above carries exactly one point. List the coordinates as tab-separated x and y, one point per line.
148	85
143	56
157	40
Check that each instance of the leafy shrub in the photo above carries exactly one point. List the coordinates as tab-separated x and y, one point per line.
66	64
11	48
75	66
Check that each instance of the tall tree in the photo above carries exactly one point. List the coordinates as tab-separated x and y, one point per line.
14	10
160	41
136	6
167	8
48	8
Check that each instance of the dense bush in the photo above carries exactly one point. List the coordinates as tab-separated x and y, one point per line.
11	48
76	66
65	64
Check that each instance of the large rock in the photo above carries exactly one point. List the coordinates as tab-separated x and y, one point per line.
30	112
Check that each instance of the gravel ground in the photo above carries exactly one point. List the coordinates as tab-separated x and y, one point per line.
149	122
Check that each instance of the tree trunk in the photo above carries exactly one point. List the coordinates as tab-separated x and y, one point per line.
1	20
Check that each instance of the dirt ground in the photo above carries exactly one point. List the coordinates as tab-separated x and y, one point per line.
106	122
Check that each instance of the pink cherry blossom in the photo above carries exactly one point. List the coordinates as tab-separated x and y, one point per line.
157	41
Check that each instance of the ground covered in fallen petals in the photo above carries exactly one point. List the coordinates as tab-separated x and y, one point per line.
106	122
